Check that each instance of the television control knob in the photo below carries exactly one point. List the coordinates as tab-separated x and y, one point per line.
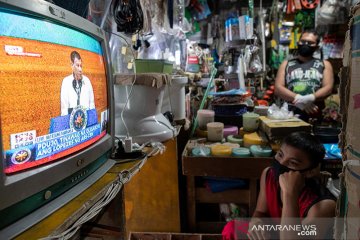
47	195
80	162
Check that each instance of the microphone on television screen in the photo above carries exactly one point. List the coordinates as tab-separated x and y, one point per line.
77	89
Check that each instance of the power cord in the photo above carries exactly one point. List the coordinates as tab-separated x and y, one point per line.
132	84
121	156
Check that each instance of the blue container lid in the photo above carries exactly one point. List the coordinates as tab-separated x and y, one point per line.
260	151
201	151
241	152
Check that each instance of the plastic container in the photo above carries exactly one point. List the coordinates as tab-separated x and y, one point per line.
252	139
230	130
201	151
201	133
241	152
221	150
229	109
204	117
260	151
250	121
235	139
215	131
153	66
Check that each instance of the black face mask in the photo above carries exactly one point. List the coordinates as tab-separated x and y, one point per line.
306	50
280	169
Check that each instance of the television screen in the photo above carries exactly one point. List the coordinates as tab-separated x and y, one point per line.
56	110
53	99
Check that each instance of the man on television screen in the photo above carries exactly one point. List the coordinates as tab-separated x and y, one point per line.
76	89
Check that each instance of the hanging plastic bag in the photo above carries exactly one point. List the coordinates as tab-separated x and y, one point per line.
255	65
332	11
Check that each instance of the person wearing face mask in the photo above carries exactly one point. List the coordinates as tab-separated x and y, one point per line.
304	81
291	189
76	89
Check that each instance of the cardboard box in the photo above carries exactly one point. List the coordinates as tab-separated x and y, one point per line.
352	91
352	214
278	129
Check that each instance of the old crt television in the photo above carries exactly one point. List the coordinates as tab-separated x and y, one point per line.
46	153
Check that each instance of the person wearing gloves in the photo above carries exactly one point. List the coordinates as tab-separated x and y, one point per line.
304	81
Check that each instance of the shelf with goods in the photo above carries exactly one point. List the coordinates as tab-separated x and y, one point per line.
215	167
240	43
250	50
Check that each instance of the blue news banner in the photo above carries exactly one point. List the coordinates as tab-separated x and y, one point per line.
61	138
51	144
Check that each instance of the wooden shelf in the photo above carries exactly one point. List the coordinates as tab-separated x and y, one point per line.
231	167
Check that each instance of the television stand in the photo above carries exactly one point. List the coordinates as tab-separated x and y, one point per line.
41	213
126	212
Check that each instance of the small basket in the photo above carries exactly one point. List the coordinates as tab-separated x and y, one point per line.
153	66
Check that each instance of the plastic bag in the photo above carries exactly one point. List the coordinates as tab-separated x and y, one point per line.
274	112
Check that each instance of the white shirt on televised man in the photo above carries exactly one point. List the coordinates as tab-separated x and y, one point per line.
76	89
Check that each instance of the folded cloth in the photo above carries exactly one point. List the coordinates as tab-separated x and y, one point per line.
235	230
220	185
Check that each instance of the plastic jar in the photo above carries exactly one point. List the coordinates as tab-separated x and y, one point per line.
215	131
204	117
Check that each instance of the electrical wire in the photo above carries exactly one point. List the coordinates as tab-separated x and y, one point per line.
132	84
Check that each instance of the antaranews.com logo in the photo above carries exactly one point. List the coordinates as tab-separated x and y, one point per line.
302	230
273	228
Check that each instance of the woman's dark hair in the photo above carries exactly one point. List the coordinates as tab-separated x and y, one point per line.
308	143
313	31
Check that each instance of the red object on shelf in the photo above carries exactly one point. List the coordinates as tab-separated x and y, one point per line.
262	103
310	4
269	92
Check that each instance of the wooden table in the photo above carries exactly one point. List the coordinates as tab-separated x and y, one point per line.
60	220
144	204
228	167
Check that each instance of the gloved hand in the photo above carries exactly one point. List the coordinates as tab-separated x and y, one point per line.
309	108
304	99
